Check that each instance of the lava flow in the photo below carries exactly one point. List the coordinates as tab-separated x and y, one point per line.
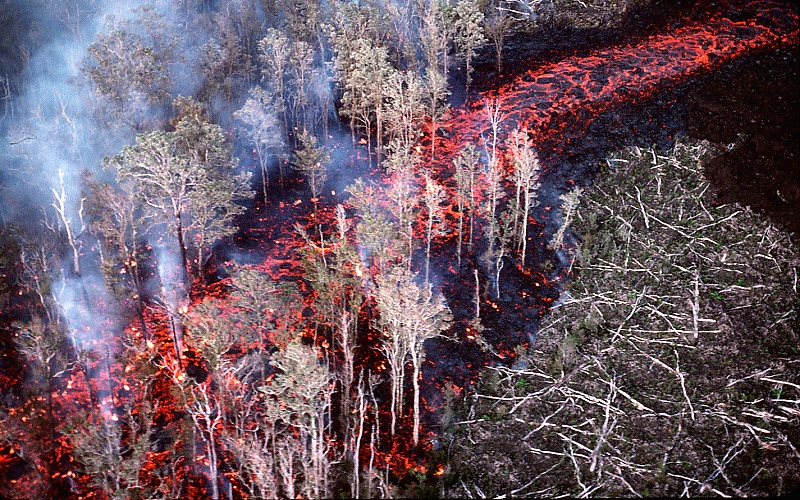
549	100
545	99
554	102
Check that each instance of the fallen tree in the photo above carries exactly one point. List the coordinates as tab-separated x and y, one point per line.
669	368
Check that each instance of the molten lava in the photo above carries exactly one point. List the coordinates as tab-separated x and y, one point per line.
542	100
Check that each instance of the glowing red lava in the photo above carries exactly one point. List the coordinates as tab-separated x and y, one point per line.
537	100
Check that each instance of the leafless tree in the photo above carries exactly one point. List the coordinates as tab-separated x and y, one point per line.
433	198
526	180
410	314
258	122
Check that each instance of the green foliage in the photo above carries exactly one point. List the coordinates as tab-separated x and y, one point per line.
378	230
363	71
312	160
298	390
468	31
258	119
186	179
131	65
113	451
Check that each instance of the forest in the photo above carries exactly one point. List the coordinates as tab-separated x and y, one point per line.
398	248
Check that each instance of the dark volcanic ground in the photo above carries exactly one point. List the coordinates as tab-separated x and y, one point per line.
754	105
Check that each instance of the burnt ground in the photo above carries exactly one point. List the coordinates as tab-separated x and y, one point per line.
754	105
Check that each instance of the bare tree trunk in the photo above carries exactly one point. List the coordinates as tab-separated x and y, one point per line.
498	52
477	297
517	208
416	360
349	361
184	271
262	161
355	486
471	208
410	233
212	465
433	140
369	142
379	133
60	205
460	229
286	468
428	248
499	267
525	225
468	61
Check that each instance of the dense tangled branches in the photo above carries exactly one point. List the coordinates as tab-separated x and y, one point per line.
669	367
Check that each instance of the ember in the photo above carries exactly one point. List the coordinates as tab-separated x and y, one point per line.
231	353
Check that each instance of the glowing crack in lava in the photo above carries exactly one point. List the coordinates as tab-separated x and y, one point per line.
596	82
575	90
572	90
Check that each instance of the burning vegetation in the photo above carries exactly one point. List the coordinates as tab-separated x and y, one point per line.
276	258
